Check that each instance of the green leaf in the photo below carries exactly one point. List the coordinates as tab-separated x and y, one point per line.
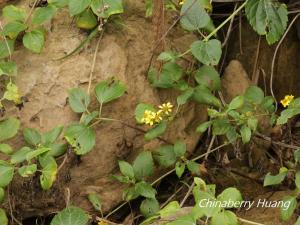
34	40
203	127
2	195
201	198
3	217
277	179
225	218
52	135
112	7
297	180
87	118
221	126
81	137
246	134
179	148
106	92
33	154
9	128
156	131
140	109
26	171
287	212
8	68
183	220
297	155
58	3
254	95
143	165
6	173
6	48
56	149
185	96
236	103
179	168
203	95
43	14
79	100
165	156
86	20
130	194
193	167
126	169
12	29
145	189
286	114
169	76
252	123
12	93
70	216
13	13
20	155
168	56
193	15
230	194
149	207
78	6
267	17
32	136
48	175
6	149
96	201
170	209
209	77
207	52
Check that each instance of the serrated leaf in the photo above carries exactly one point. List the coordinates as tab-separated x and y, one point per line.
245	133
193	15
267	17
43	14
13	13
6	173
78	6
145	189
209	77
149	207
6	48
156	131
9	128
70	216
6	149
79	100
32	136
12	29
26	171
20	155
165	156
81	137
126	169
207	52
96	201
287	212
225	218
275	179
143	165
34	40
106	92
185	96
3	217
107	8
179	169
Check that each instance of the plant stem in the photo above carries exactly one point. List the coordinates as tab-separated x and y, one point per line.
249	222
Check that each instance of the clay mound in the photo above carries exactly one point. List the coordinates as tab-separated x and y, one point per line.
124	53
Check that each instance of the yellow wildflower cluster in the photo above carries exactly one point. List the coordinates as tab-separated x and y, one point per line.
151	118
287	100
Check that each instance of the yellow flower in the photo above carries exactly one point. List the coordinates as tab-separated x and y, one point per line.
102	223
149	117
181	2
166	108
287	100
158	116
